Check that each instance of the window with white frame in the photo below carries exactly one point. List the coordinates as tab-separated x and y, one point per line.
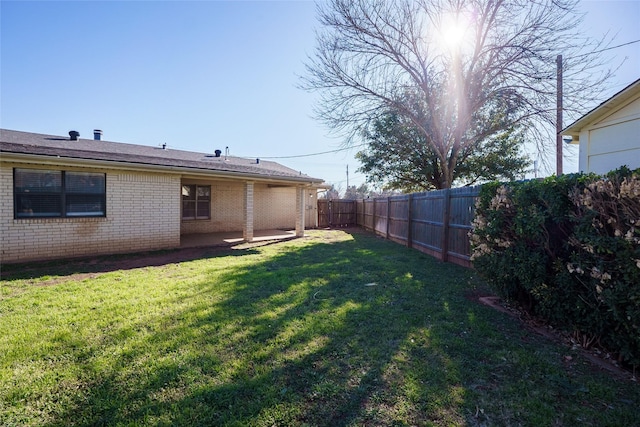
196	201
40	193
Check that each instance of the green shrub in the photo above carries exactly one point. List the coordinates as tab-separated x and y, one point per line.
605	257
520	229
568	249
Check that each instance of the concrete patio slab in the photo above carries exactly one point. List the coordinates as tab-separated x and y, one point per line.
231	238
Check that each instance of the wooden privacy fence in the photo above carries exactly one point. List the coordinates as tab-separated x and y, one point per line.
434	222
336	212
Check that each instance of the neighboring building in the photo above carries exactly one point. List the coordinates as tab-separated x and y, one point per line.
609	135
65	196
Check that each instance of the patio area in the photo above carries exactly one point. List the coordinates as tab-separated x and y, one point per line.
231	238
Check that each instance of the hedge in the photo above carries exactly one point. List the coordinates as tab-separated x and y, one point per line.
567	249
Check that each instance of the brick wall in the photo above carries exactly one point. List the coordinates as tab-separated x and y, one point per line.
143	213
226	208
273	207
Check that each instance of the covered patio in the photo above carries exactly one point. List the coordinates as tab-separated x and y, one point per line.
231	238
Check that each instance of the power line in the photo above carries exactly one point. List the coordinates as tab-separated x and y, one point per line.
603	50
311	154
357	178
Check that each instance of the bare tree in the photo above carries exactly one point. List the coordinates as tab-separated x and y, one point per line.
462	61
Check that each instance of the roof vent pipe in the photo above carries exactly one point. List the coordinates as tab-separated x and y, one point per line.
73	135
218	153
97	134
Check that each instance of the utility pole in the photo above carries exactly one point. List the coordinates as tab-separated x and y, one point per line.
559	116
347	177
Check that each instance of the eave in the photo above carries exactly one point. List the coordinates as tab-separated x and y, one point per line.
603	110
196	172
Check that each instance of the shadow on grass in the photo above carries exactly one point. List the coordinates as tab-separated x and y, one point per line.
318	335
358	332
128	261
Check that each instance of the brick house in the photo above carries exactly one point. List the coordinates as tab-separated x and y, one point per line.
66	196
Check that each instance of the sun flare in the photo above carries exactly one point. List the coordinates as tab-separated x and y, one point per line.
454	30
454	35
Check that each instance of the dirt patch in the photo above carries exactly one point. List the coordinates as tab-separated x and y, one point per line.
154	259
92	267
89	267
73	277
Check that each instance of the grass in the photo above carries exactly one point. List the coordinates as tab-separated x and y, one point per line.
335	329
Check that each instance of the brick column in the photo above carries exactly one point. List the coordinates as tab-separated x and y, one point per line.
247	229
300	211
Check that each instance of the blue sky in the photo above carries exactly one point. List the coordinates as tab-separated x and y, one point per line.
197	75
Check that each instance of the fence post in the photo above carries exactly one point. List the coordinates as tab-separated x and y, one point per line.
409	220
445	224
373	216
330	211
388	216
355	212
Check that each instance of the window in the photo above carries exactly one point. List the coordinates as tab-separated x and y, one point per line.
196	202
85	194
52	193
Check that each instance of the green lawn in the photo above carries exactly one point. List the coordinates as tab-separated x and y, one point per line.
330	330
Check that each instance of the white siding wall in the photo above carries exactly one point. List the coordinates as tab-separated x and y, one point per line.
612	142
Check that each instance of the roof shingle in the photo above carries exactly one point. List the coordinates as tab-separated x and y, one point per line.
50	145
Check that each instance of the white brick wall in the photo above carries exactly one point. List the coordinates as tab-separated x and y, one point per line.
143	213
226	208
247	211
272	208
